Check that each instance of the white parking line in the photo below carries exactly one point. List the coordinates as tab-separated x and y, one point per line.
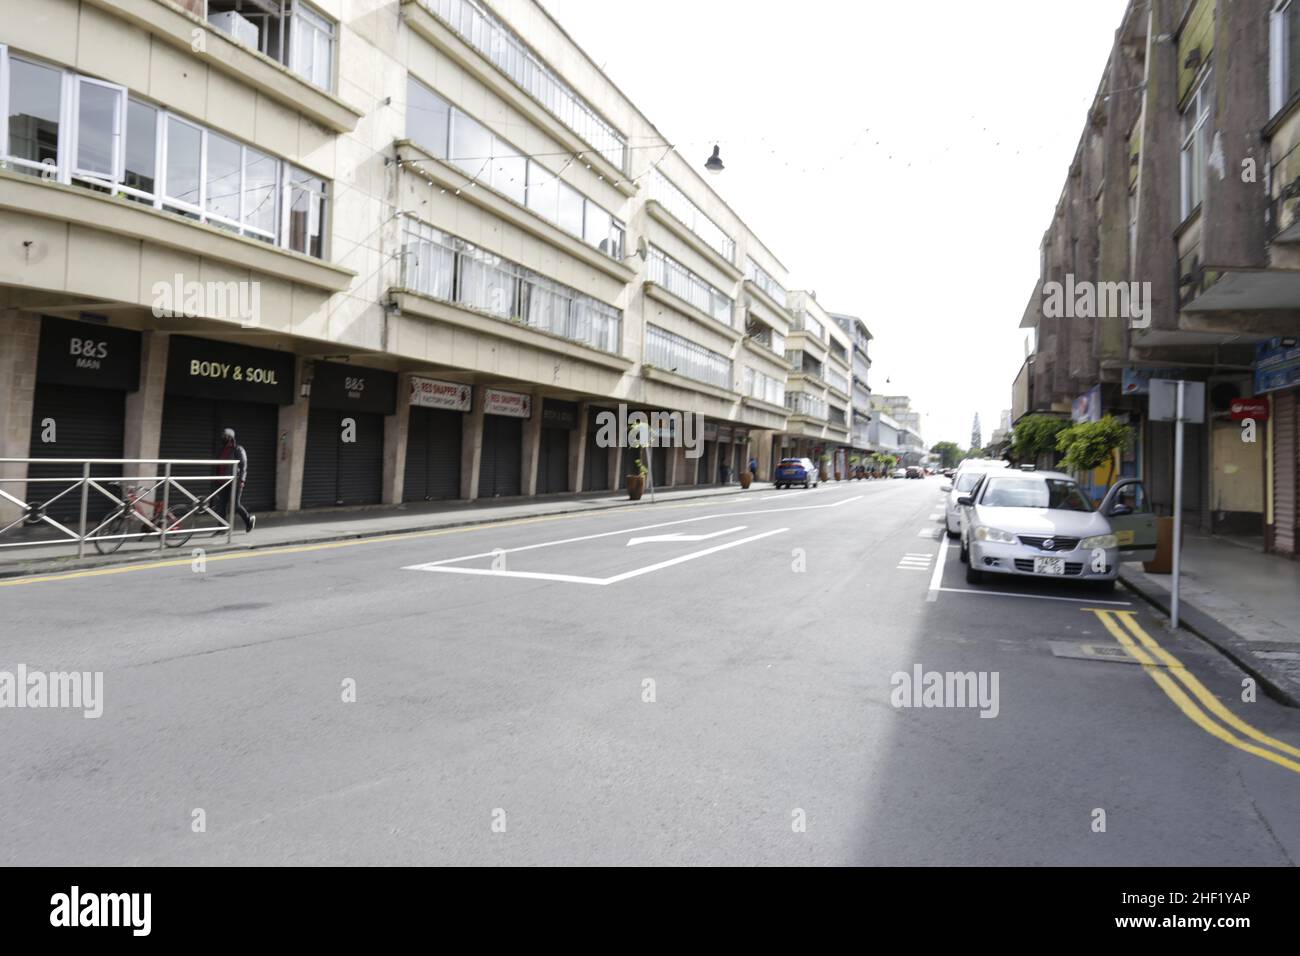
936	579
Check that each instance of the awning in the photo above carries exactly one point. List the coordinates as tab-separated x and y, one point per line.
1249	303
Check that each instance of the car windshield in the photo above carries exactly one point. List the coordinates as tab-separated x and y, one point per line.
1052	493
967	480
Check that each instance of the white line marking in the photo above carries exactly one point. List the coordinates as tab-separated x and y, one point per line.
581	579
1037	597
678	536
936	579
608	534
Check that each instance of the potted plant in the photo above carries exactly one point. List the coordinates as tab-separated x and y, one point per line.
637	439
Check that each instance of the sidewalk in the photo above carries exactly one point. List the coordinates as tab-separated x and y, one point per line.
1244	602
281	529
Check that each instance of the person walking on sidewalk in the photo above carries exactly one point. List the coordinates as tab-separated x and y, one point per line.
232	450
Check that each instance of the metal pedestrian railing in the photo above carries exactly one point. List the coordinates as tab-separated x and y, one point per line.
137	507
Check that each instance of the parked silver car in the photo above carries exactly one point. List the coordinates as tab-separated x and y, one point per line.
1041	524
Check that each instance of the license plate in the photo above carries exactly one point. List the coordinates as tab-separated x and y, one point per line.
1049	565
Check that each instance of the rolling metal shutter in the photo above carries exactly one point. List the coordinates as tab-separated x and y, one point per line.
553	461
88	423
595	464
1286	465
433	449
702	474
191	428
659	462
336	472
502	461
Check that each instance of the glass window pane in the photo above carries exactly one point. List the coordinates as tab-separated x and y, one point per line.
224	165
306	213
543	192
98	126
427	115
571	201
471	144
35	93
597	226
508	171
183	145
141	143
261	173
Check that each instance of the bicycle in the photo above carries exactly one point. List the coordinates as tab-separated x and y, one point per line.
113	526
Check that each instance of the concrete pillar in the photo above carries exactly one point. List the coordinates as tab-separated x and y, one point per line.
676	468
293	446
144	406
20	338
616	467
471	446
396	430
578	449
532	439
711	472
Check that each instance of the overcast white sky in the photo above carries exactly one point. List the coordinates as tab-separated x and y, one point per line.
902	159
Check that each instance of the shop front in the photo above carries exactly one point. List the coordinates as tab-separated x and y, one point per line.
84	371
1277	377
501	462
212	386
433	440
344	463
559	421
595	463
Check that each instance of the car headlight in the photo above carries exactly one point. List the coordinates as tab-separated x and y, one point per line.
1102	541
983	533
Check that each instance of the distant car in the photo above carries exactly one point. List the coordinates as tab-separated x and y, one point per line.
899	473
947	472
795	471
1041	524
914	471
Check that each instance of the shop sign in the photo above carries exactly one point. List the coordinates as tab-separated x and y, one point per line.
431	393
1277	364
206	368
1244	408
510	404
88	354
353	388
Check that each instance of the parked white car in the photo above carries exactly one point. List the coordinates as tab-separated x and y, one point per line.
1041	524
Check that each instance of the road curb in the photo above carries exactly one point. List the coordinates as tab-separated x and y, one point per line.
1275	681
60	565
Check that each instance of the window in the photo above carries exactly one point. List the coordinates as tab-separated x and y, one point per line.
571	202
543	192
504	49
690	215
471	145
448	268
306	213
596	226
674	353
1195	148
288	31
682	282
141	150
1284	55
98	128
1052	493
427	118
509	171
35	107
113	142
759	276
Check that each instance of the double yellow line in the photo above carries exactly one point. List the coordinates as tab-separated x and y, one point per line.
1159	664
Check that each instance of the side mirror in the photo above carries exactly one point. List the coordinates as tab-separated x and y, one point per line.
1119	511
946	488
966	501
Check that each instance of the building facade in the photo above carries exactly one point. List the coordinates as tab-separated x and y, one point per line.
409	250
1171	253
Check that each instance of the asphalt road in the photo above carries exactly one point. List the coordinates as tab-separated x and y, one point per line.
502	712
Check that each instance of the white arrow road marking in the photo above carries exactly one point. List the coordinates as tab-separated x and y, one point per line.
678	536
583	579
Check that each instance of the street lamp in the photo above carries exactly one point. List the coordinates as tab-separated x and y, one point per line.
714	163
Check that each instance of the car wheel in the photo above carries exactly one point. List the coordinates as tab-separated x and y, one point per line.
805	484
973	576
954	535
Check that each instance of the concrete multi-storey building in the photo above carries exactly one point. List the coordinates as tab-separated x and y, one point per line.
860	404
817	394
407	249
1172	249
